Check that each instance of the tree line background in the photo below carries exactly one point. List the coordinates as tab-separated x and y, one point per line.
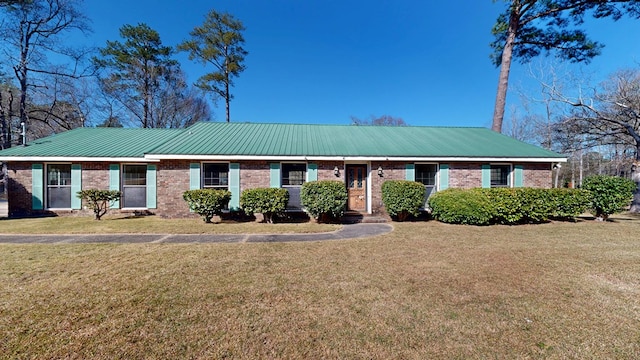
135	81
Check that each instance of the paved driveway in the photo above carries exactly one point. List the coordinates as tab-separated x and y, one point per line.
347	232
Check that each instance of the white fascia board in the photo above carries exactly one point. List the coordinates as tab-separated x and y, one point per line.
74	159
158	157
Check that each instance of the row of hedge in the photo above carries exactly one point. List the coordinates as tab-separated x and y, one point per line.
324	200
327	200
601	195
507	206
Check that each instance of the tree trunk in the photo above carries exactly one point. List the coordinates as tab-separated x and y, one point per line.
227	97
635	176
4	125
505	67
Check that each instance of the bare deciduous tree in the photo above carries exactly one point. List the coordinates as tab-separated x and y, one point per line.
608	114
384	120
31	35
528	28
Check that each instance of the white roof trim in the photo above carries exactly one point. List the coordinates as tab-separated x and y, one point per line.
158	157
75	159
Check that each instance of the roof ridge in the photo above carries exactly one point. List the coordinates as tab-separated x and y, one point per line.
336	125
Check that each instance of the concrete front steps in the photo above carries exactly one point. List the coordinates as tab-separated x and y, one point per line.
354	217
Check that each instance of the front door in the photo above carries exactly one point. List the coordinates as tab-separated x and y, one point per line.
357	187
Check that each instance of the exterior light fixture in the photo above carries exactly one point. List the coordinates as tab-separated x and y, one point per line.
380	173
336	171
557	166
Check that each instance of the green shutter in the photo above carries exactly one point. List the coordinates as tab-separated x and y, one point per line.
194	176
274	173
444	177
114	181
76	186
234	186
312	172
410	172
519	176
151	187
486	175
37	187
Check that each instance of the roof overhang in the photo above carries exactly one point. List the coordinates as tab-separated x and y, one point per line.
158	157
74	159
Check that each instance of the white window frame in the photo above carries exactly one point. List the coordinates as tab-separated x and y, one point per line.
304	180
510	175
122	186
202	175
46	185
304	177
436	186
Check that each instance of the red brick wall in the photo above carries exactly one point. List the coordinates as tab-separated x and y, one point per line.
19	188
538	175
95	176
254	174
465	175
172	178
173	181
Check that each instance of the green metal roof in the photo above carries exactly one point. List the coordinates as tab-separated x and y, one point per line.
345	140
94	142
257	139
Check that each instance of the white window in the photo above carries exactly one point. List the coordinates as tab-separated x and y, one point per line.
427	174
215	176
59	186
293	176
134	186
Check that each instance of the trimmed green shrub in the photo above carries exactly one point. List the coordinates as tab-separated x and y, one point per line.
269	202
402	198
99	200
459	206
534	205
609	194
505	203
569	203
324	200
507	206
207	202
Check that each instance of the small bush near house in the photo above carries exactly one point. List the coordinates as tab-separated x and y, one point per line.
459	206
324	200
569	203
609	194
99	200
402	198
207	202
269	202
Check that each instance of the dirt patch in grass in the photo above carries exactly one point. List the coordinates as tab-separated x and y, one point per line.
426	290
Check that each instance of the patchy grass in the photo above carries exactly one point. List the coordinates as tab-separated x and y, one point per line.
426	290
150	225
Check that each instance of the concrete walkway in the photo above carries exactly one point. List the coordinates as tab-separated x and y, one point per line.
351	231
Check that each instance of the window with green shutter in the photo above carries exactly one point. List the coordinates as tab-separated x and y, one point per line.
58	186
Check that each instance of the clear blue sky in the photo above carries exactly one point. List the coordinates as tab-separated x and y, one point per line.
322	61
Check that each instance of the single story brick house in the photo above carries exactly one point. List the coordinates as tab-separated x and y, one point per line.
153	167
